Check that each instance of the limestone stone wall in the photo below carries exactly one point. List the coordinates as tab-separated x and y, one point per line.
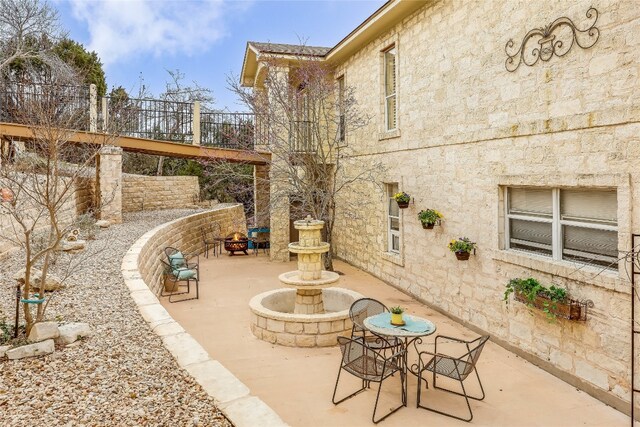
158	192
183	234
79	201
466	129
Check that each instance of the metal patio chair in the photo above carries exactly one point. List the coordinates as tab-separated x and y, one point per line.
457	368
210	240
179	268
370	366
360	310
262	240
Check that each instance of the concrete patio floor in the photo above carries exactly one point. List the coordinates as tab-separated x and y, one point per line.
298	382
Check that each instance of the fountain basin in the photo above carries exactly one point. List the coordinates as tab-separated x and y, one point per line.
273	319
294	279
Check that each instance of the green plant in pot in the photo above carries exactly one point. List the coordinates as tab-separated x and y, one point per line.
402	199
396	315
429	218
553	301
462	247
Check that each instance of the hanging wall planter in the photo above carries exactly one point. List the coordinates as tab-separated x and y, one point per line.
402	199
462	247
429	218
553	301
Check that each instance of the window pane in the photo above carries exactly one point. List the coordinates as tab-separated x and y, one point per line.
394	224
391	112
394	210
530	236
590	245
390	72
531	201
395	243
598	206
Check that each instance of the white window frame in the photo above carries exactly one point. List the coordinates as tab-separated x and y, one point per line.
556	225
387	96
390	232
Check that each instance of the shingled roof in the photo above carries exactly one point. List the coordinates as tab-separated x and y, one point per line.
289	49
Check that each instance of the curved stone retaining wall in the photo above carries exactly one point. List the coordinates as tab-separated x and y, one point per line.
185	235
142	272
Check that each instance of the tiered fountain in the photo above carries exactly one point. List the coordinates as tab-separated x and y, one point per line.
310	312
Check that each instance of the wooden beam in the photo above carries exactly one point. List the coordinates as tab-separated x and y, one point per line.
148	146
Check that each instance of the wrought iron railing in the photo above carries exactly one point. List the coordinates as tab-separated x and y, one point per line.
302	137
228	130
39	103
151	119
142	118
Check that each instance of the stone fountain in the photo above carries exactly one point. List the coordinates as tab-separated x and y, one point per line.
310	312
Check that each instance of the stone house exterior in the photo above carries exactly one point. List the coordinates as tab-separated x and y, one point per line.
538	166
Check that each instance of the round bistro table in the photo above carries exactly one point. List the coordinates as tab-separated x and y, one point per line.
406	337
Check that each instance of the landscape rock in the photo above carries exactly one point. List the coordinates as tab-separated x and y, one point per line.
44	331
31	350
3	350
103	223
72	246
71	332
53	282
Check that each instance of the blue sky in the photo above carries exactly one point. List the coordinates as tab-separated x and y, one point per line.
204	39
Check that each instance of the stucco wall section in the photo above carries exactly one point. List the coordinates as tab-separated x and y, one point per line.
158	192
467	127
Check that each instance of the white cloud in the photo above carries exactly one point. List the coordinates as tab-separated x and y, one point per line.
120	29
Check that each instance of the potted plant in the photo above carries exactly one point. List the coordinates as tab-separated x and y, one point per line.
553	301
396	316
402	199
429	217
462	247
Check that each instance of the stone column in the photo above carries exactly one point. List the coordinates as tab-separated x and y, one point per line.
261	192
109	184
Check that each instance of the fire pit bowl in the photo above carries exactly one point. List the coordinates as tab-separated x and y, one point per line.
236	242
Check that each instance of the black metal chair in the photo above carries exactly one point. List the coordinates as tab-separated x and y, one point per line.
179	268
210	240
370	366
457	368
360	310
261	240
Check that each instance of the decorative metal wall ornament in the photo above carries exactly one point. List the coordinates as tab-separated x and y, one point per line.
566	33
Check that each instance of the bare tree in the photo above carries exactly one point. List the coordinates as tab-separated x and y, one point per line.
38	187
28	29
303	119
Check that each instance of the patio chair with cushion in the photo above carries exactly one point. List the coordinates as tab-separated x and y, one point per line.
370	366
457	368
180	268
360	310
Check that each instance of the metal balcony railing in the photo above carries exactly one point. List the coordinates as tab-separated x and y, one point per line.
228	130
302	137
81	109
39	103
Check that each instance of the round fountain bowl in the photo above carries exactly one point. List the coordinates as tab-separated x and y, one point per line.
273	319
294	280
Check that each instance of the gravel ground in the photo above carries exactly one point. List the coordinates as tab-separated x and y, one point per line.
122	376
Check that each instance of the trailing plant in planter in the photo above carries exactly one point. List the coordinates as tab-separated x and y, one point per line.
396	315
553	301
429	217
462	247
402	199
